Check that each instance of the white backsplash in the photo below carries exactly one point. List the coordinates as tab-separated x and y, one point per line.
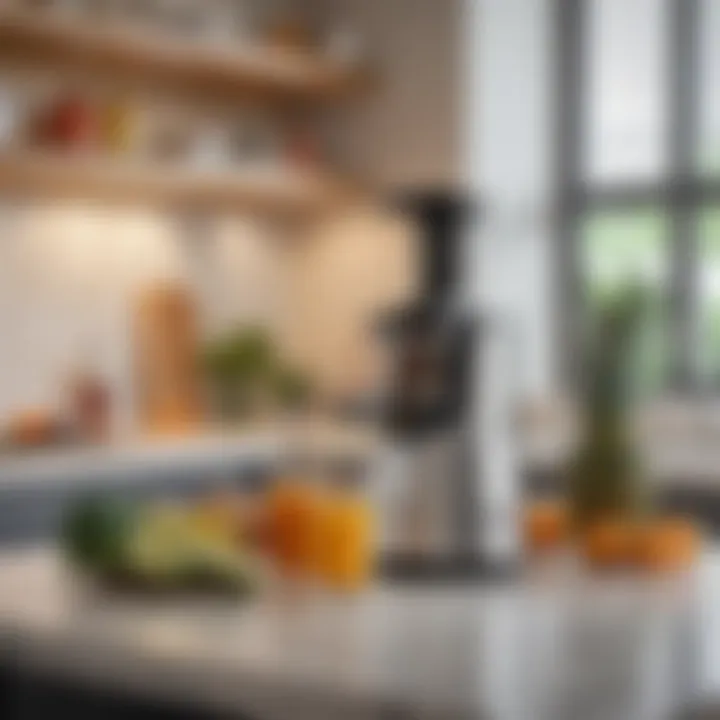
68	276
69	273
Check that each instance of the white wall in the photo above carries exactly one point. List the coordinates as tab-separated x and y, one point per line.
406	130
69	276
464	101
509	144
352	269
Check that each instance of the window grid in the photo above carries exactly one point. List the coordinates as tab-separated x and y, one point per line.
682	194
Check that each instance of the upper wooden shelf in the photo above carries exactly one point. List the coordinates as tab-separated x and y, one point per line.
229	74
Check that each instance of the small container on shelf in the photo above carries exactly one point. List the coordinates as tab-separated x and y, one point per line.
97	11
344	45
59	7
244	21
11	119
210	148
11	6
181	18
256	139
289	32
168	135
303	148
119	128
217	22
139	14
90	407
68	122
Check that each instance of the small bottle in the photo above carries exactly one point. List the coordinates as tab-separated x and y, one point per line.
118	128
89	400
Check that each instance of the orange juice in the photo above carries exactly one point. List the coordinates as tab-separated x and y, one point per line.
284	510
321	533
296	508
346	557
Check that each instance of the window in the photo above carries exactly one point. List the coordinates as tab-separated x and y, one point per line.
625	93
639	172
708	296
708	80
631	245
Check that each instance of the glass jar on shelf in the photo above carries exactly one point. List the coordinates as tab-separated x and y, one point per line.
12	120
140	15
58	8
181	18
104	12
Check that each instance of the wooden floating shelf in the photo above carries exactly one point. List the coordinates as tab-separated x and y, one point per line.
230	74
263	189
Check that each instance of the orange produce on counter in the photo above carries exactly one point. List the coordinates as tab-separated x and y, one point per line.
662	545
545	525
610	543
668	545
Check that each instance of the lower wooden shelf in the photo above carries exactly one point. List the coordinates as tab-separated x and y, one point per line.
261	188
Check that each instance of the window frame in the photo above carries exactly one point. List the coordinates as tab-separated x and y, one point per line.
682	194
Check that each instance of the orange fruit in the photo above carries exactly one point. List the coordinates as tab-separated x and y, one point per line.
609	543
545	525
668	545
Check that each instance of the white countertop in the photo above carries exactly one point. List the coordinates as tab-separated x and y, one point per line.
678	437
679	461
557	645
87	465
137	457
682	461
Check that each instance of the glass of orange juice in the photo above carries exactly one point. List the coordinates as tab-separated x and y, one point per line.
346	553
322	531
296	510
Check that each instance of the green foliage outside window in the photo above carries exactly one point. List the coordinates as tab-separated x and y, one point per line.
629	248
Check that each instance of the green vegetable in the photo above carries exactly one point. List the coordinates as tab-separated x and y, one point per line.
152	548
96	534
238	368
206	566
293	388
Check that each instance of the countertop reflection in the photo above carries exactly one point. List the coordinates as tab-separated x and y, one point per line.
555	644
